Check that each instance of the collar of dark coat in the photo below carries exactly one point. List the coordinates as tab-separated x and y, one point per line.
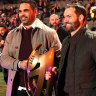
77	36
90	34
83	30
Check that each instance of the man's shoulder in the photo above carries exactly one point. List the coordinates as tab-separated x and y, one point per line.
13	30
12	33
42	26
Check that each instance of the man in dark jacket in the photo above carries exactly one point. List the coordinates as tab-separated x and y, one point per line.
54	22
77	69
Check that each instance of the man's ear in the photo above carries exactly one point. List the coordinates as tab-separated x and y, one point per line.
81	18
35	11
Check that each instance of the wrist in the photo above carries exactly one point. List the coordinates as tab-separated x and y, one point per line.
19	64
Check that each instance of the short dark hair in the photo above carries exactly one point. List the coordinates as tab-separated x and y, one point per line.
3	25
79	9
32	3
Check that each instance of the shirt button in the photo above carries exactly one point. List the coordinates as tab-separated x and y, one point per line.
11	79
16	47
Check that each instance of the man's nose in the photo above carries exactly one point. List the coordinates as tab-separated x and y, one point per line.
22	13
66	20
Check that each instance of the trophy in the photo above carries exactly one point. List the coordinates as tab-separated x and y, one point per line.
36	67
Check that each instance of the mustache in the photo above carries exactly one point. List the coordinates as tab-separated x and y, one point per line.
67	23
55	23
23	17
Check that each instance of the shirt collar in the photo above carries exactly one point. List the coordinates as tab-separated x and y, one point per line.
33	25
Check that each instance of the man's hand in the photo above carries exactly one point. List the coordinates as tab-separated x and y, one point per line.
23	64
48	74
2	42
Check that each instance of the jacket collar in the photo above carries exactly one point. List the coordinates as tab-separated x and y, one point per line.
37	24
77	36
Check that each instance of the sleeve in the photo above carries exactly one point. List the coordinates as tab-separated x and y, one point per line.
7	60
55	43
93	51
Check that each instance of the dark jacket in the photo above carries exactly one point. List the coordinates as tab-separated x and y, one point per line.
77	70
62	33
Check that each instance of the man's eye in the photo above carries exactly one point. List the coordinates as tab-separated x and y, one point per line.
26	10
68	16
19	11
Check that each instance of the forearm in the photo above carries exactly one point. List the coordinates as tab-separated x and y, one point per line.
9	62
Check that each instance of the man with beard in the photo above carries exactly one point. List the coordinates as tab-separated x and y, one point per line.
54	22
77	68
21	41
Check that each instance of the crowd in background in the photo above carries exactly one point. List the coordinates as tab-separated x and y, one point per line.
10	17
